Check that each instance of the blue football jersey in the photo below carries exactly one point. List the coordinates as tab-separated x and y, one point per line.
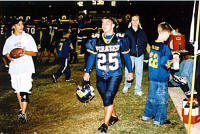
159	56
108	54
64	46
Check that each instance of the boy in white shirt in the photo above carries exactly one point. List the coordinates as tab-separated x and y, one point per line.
21	69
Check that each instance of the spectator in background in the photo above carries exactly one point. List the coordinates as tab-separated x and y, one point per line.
138	44
160	58
183	77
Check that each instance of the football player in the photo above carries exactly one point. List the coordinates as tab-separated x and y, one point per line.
73	26
84	35
2	42
45	39
106	49
63	49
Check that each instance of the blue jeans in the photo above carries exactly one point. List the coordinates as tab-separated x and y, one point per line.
138	63
186	69
157	102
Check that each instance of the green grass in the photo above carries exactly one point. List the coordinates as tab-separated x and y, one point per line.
54	108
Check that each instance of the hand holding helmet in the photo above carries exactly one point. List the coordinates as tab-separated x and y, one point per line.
85	93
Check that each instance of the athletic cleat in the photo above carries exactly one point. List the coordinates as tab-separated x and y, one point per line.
39	61
103	128
113	120
180	79
22	118
54	78
20	111
68	79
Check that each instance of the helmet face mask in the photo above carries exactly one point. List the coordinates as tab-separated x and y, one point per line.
85	93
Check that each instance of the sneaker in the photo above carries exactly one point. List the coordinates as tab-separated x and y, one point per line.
140	93
145	118
165	123
113	120
188	92
54	78
22	117
180	79
125	90
103	128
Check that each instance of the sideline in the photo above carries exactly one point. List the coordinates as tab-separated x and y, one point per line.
177	97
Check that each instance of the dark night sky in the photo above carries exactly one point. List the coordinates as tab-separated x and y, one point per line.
177	13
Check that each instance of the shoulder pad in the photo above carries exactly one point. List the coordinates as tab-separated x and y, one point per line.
120	34
95	35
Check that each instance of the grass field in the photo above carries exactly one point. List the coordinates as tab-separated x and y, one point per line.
54	108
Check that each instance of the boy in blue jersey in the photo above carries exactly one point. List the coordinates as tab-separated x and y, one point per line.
160	58
106	50
63	49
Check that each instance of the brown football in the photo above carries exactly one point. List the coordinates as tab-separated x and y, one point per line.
16	53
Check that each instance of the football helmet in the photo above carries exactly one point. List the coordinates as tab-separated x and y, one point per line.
85	93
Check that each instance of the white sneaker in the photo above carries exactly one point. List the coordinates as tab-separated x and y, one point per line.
180	79
188	92
125	90
140	93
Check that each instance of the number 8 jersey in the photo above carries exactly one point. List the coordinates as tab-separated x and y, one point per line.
159	56
108	51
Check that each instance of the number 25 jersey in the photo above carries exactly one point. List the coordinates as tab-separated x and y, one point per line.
159	56
108	54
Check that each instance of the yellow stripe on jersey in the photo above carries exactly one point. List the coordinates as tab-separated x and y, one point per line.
125	52
107	42
90	51
155	47
71	46
87	29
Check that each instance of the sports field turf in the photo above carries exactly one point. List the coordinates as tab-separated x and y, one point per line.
54	108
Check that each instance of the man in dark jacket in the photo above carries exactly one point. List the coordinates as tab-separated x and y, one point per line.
138	44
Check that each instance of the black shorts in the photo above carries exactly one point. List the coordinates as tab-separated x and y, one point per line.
108	88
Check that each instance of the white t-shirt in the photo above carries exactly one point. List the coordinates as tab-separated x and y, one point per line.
25	63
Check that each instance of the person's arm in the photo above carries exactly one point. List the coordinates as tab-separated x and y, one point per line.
90	63
128	63
8	56
32	48
30	53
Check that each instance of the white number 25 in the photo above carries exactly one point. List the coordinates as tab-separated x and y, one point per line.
112	58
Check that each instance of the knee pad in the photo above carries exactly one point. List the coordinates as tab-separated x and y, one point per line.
24	97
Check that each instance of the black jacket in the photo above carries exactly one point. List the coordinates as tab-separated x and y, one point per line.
138	41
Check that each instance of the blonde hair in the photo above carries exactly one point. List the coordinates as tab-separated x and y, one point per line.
164	26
